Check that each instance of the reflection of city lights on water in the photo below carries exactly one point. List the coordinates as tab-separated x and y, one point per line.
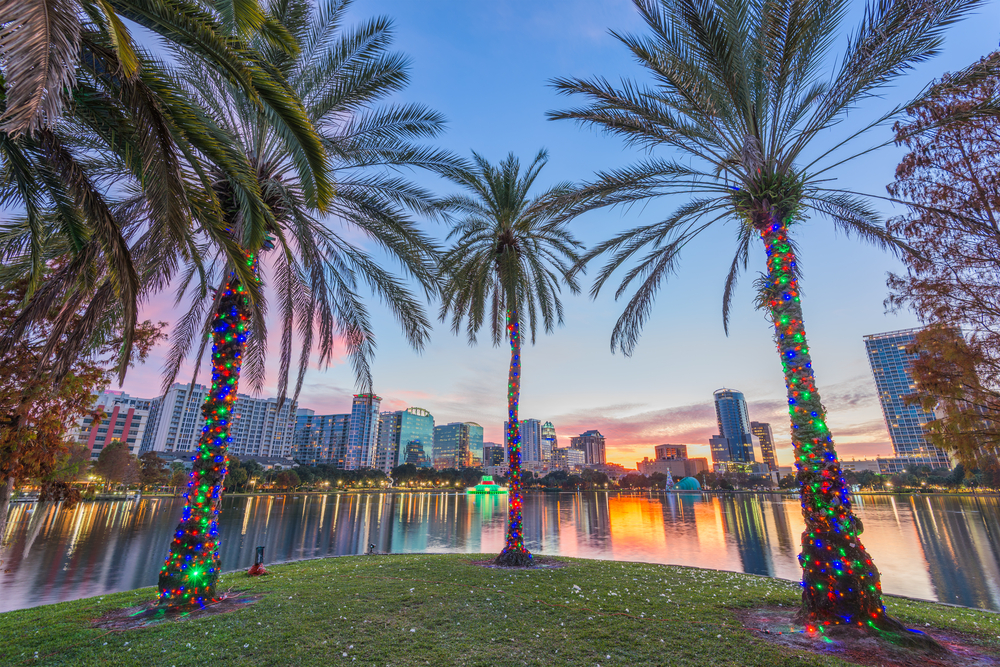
932	547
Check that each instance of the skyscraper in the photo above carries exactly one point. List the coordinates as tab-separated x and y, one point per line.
456	443
549	440
763	432
362	437
891	366
531	439
735	443
592	444
259	427
321	439
407	437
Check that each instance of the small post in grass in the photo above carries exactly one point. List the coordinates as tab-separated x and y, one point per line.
258	566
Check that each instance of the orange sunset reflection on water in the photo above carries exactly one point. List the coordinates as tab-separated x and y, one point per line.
935	547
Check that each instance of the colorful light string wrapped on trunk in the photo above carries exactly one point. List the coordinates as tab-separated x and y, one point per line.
189	575
840	583
514	552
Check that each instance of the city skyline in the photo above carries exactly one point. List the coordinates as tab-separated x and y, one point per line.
571	377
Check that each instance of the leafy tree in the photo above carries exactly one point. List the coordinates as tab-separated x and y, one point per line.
951	178
117	465
506	268
153	470
287	479
178	478
741	92
34	410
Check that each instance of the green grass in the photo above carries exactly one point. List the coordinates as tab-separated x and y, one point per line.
441	610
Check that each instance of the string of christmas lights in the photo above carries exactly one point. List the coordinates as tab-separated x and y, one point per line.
189	575
841	585
514	553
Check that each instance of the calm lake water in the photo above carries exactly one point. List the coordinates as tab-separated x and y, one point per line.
935	548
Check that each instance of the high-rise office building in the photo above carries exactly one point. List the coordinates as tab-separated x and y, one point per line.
592	444
126	419
457	444
407	437
531	439
763	432
362	437
494	454
568	458
891	365
179	420
735	442
321	439
259	427
549	440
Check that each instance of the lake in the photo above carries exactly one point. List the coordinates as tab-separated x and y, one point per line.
935	547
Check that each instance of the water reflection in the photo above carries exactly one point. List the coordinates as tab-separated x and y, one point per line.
937	548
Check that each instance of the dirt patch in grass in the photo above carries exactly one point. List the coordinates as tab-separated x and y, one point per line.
145	615
537	563
775	625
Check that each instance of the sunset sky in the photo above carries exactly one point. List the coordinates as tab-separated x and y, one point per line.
486	66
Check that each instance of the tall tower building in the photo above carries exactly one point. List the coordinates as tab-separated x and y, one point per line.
549	440
891	365
735	441
179	421
763	432
362	437
259	428
321	439
531	439
456	444
592	444
407	437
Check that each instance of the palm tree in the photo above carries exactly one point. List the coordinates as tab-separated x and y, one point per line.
340	75
740	91
77	94
510	256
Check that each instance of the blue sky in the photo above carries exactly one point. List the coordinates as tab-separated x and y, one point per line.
486	66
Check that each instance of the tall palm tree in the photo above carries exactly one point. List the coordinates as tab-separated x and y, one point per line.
740	91
512	252
126	124
341	75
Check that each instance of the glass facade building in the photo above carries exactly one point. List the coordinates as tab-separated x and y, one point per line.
407	437
549	440
891	363
321	439
763	432
735	441
362	437
455	443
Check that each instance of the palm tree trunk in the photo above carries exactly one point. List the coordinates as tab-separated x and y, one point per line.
514	554
840	583
189	575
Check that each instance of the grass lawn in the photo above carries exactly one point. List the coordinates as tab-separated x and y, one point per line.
442	610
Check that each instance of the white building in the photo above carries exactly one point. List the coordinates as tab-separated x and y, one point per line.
258	427
125	419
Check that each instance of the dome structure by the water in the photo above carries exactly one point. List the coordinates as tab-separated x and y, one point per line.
688	484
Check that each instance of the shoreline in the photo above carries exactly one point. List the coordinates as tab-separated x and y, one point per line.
415	609
689	494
